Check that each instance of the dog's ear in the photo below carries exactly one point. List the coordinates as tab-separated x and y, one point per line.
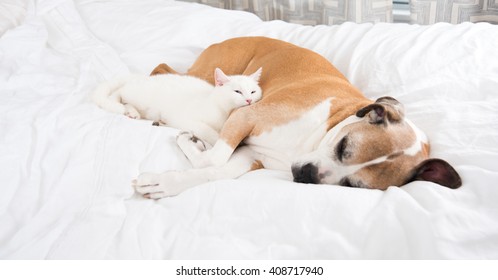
437	171
384	108
163	69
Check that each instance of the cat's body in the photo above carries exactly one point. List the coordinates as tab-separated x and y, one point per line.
179	101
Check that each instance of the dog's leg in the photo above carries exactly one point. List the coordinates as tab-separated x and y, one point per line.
235	129
194	145
201	154
171	183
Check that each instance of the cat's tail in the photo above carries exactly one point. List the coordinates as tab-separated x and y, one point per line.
106	96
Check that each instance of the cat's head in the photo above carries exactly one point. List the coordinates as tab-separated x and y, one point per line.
240	90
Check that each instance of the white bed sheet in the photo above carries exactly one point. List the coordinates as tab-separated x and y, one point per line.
66	165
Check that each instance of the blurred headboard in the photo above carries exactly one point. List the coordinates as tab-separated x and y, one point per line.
313	12
453	11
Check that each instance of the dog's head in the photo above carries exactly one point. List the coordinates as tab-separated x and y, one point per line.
376	148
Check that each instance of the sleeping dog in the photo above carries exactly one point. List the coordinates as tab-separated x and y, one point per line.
310	121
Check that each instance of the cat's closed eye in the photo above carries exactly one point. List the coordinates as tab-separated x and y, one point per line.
238	91
253	92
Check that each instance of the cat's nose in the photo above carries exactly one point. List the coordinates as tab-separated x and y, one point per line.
249	101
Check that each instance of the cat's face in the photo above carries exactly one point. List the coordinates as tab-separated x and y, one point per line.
239	90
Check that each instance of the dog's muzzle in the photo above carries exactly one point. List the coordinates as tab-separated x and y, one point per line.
307	173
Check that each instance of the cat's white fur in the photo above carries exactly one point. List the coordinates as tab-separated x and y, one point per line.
184	102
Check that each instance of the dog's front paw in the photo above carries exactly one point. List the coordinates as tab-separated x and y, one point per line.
155	186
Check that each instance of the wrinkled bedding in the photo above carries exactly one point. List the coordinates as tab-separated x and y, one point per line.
66	165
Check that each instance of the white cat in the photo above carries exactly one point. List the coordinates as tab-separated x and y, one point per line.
179	101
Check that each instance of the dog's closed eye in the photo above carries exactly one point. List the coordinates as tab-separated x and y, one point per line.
341	151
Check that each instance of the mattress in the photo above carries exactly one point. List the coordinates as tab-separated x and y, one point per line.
66	165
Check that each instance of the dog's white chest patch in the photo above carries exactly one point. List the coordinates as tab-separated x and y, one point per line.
281	145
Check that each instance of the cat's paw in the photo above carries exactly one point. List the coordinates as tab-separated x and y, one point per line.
156	186
159	123
186	140
132	113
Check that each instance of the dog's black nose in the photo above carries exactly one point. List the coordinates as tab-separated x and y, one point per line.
307	174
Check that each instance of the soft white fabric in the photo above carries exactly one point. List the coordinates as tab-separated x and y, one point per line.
12	13
66	165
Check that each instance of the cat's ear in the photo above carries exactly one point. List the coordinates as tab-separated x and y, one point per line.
220	78
256	75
